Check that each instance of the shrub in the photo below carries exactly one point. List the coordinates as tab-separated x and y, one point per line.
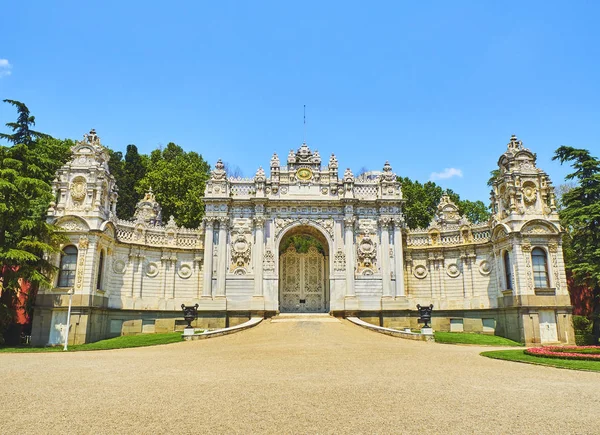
582	325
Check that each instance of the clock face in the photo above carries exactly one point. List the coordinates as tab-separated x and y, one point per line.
304	174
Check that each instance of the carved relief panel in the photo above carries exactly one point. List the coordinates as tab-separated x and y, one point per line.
241	246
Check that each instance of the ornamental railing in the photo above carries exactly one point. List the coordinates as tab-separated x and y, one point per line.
140	233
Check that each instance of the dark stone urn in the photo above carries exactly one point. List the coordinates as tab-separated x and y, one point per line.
425	314
190	312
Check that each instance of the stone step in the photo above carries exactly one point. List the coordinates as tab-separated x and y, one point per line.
304	317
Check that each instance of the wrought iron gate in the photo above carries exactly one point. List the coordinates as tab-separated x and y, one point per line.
302	282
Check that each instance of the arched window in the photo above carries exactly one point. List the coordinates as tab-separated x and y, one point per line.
68	266
507	269
100	271
540	268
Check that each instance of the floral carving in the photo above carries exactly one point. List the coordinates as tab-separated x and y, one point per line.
367	252
78	189
339	261
269	261
240	251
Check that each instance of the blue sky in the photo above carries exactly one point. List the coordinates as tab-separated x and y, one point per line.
429	86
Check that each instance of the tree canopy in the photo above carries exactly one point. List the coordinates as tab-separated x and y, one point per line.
27	168
178	179
128	173
580	216
422	201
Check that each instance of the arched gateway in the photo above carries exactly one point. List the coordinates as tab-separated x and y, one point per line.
306	238
303	271
356	222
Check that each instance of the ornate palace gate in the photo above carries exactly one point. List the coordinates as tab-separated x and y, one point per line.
302	281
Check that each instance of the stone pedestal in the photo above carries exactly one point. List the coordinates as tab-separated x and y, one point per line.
188	332
427	331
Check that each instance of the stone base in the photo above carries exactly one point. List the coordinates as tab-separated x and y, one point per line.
188	331
426	331
351	303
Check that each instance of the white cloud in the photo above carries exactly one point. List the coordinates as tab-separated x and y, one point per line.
5	67
445	174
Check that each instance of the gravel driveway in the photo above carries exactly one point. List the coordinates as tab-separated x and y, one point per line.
292	377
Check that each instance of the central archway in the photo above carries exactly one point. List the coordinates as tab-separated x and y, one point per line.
303	271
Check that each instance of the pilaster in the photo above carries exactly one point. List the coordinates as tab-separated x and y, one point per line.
222	256
208	257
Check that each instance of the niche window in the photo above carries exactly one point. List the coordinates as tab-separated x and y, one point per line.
540	268
68	267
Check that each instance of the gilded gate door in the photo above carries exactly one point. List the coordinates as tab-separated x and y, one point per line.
302	282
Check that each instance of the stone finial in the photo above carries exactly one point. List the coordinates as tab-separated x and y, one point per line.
275	161
219	172
333	163
260	175
447	210
316	157
92	138
304	150
291	157
171	223
388	175
515	144
348	175
148	210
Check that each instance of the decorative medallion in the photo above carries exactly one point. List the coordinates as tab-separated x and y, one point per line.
529	192
453	270
485	267
304	174
78	189
152	269
185	271
420	271
119	266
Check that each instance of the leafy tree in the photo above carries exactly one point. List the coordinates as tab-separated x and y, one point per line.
21	129
128	173
476	211
302	243
494	174
27	168
560	192
580	216
422	201
178	179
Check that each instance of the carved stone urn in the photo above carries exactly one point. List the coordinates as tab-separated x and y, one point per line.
425	314
190	312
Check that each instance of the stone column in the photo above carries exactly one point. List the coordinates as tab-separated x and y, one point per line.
259	224
208	258
222	257
385	257
349	248
399	258
198	261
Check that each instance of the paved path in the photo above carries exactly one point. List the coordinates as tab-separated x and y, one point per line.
292	377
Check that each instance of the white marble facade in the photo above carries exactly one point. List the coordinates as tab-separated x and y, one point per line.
372	263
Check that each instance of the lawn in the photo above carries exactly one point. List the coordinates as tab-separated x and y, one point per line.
520	356
122	342
473	338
